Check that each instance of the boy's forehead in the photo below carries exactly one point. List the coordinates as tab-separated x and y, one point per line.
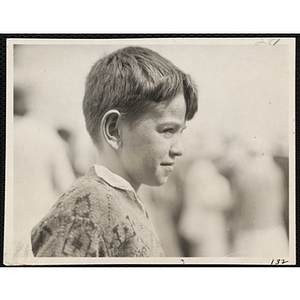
172	109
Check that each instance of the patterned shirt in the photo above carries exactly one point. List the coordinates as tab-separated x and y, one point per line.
99	216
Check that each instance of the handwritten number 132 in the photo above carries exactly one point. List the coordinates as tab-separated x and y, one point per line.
278	261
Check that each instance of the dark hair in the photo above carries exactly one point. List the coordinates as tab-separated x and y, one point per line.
130	80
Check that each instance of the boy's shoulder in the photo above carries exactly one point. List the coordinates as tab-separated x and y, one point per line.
87	193
94	214
85	187
86	205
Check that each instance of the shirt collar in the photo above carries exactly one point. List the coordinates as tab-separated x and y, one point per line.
111	178
116	181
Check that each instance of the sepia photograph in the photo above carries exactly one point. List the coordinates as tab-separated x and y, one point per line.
150	151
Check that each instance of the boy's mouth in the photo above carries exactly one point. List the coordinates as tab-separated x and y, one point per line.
168	166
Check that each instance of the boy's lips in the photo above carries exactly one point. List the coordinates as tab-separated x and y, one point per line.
168	166
168	163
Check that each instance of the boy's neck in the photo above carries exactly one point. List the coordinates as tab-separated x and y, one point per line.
113	164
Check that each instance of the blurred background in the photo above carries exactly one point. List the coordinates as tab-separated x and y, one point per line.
228	194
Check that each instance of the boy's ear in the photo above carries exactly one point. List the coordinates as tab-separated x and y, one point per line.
110	128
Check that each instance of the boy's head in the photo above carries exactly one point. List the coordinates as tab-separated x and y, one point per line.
136	105
130	80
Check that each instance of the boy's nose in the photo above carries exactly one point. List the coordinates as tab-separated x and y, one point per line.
176	149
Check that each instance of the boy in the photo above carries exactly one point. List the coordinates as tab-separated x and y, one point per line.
136	105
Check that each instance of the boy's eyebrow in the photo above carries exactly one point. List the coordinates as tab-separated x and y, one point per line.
173	124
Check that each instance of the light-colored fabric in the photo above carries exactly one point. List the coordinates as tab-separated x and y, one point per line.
100	215
111	178
42	172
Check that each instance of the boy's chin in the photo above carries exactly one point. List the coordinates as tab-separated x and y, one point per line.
159	181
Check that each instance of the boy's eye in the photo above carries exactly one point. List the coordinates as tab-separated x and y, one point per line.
168	131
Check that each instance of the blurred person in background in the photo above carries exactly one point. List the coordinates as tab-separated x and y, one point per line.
202	222
42	172
207	198
66	136
257	222
80	149
84	152
280	152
